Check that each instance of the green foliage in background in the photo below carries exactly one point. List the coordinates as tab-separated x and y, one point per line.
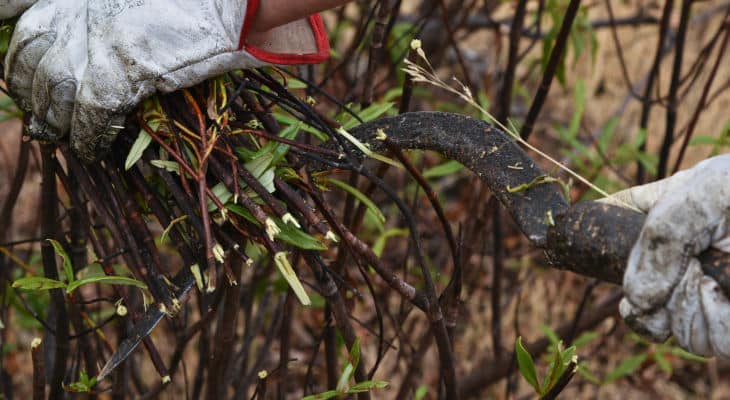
71	283
345	386
562	361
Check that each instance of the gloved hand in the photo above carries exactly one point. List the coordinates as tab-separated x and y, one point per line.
82	65
665	289
11	8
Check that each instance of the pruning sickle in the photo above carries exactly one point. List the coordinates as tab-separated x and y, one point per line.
588	238
184	281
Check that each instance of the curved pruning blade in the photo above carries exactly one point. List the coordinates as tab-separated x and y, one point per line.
144	327
184	280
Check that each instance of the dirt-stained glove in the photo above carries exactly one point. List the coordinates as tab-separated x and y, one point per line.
665	289
82	65
11	8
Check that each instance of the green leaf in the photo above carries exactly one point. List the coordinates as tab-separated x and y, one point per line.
368	114
703	140
296	237
38	283
135	153
84	385
278	150
579	104
551	334
67	268
398	44
604	139
526	364
322	396
261	168
221	193
292	83
9	109
567	356
288	232
6	32
169	166
367	386
684	354
349	368
107	280
578	46
345	377
587	375
84	377
243	212
421	392
585	338
380	242
289	120
640	138
393	93
167	230
662	362
648	161
448	168
359	196
355	353
77	387
259	163
553	373
365	148
625	368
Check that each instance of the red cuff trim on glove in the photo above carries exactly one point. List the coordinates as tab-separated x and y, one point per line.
252	8
320	37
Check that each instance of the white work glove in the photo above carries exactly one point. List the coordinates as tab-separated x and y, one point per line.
11	8
665	289
82	65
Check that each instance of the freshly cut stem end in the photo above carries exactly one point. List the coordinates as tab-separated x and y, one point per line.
282	263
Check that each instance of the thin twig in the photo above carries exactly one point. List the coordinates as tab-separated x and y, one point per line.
57	313
556	55
701	104
673	101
